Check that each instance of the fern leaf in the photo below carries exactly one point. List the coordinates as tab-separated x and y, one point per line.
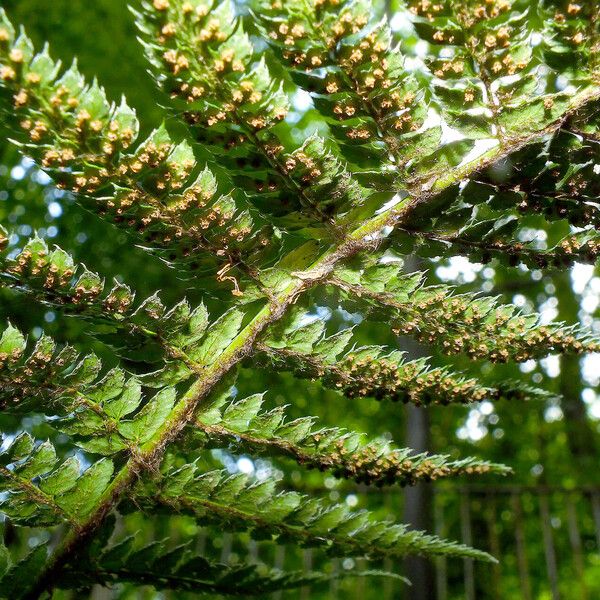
485	79
356	76
521	209
181	333
179	569
157	189
373	371
17	578
509	250
41	490
222	89
235	503
417	166
91	408
457	323
246	427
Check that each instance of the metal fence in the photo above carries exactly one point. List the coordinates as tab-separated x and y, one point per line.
546	540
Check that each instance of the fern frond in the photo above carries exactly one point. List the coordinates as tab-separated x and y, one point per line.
52	277
185	337
41	490
356	76
507	249
484	56
183	570
236	503
199	345
401	177
486	79
553	179
45	375
226	93
16	577
244	426
299	345
178	569
576	49
91	408
476	325
156	190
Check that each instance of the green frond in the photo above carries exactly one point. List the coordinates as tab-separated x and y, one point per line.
234	105
44	375
53	278
507	249
182	569
97	410
490	74
471	130
41	490
244	426
183	335
478	326
575	45
299	345
234	502
16	576
355	73
200	344
157	189
540	190
556	179
178	569
492	59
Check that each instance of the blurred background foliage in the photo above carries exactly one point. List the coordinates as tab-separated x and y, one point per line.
552	444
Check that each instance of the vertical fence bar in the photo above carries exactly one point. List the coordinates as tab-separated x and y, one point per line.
252	550
595	498
307	566
226	548
549	550
492	523
359	588
576	547
388	565
279	563
467	538
334	584
441	566
523	567
201	541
